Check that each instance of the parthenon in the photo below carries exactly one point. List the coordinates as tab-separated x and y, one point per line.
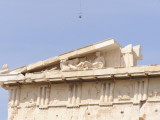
101	81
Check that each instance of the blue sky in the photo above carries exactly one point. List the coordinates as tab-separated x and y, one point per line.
34	30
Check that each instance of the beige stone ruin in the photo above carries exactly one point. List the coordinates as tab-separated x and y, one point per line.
98	82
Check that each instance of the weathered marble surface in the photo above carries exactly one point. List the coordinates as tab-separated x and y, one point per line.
129	99
97	82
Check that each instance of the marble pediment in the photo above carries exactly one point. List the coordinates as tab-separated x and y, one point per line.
104	54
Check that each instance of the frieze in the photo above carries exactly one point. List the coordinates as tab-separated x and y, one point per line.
81	93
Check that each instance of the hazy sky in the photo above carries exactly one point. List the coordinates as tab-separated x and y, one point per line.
34	30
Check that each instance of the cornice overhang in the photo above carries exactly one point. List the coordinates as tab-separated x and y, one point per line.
149	71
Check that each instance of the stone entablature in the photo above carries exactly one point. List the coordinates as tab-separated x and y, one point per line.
73	84
90	96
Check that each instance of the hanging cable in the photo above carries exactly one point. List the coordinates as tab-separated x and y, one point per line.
80	9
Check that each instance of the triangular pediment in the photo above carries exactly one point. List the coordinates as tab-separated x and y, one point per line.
107	53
